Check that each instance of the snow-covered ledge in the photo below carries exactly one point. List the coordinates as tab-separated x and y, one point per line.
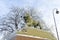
28	37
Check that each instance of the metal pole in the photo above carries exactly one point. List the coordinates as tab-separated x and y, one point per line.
55	23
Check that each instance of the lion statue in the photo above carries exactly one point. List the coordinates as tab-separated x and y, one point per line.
30	22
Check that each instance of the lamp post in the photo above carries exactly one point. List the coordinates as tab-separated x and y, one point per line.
57	12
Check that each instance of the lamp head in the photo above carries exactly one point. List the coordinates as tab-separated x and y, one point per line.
57	12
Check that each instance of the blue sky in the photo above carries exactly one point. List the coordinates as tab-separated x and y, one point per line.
44	6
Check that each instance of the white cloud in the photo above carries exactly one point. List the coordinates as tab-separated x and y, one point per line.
3	8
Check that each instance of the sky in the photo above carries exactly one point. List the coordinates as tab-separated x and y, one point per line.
46	7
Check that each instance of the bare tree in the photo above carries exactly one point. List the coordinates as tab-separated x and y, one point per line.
12	19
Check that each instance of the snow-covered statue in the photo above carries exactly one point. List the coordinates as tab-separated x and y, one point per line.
30	22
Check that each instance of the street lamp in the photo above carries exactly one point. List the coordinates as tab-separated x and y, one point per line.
57	12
